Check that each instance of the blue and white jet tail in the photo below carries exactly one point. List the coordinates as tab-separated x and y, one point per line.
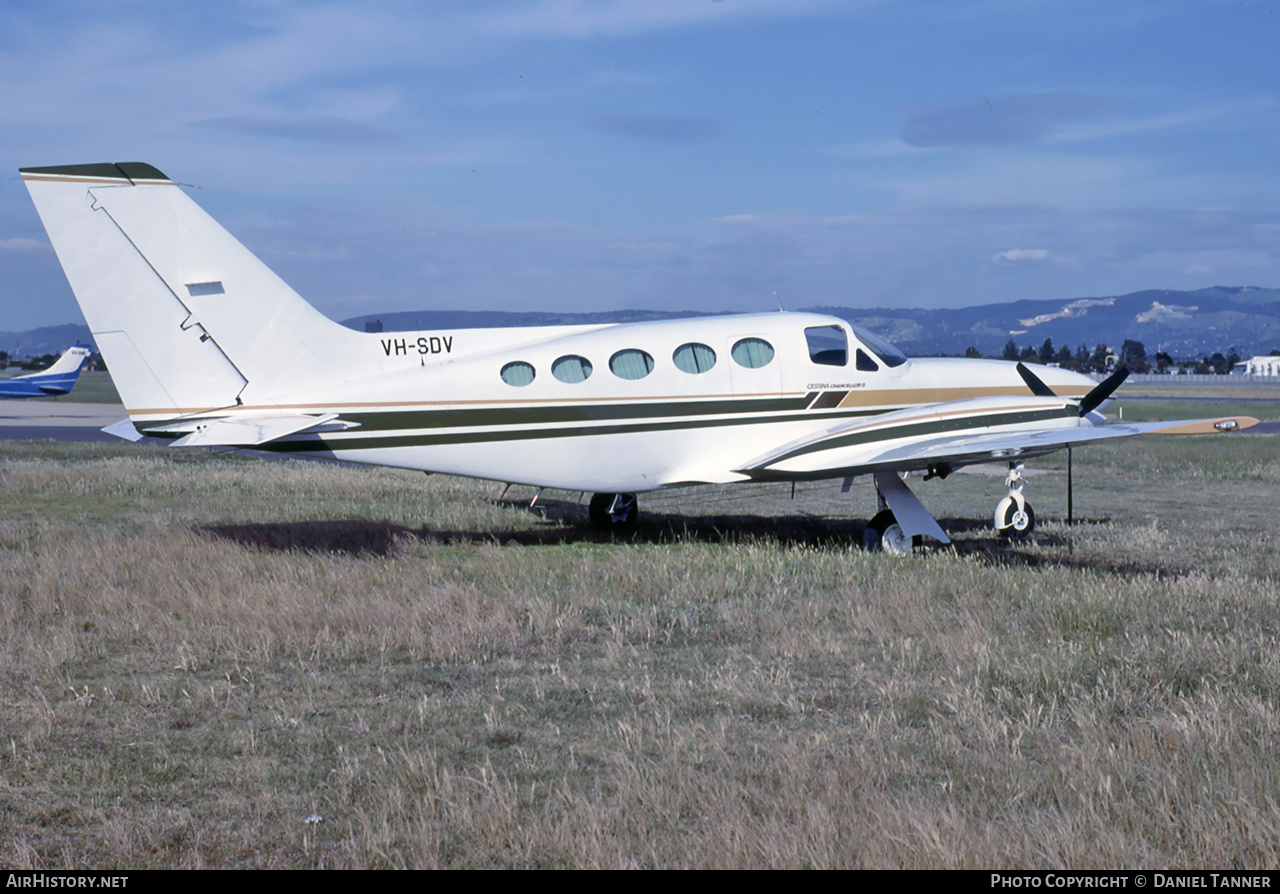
57	379
186	317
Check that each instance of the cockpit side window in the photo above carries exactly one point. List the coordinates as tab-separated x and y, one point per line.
889	355
863	363
828	345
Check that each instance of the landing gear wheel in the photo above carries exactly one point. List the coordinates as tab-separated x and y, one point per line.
1018	523
614	512
884	533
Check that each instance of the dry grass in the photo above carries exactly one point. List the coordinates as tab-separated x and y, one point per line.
218	661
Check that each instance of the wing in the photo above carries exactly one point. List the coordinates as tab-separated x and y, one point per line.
957	434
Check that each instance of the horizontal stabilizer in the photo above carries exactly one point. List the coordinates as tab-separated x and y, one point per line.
252	431
123	429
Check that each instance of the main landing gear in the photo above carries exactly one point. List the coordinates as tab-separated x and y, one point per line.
1014	516
883	533
616	513
902	522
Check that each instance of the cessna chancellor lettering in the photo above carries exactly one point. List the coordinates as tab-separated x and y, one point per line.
208	347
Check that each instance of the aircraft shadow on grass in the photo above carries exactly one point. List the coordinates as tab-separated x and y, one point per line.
565	522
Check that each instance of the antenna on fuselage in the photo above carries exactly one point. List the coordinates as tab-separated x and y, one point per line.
781	309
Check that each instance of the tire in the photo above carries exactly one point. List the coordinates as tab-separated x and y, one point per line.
1017	525
615	513
884	534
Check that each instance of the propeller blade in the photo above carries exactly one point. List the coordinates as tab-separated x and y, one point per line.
1094	398
1038	388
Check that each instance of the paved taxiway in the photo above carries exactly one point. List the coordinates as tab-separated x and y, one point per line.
57	420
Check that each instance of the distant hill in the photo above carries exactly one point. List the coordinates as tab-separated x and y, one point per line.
45	340
412	321
1183	324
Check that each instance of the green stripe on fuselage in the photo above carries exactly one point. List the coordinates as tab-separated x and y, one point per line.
928	427
582	413
356	439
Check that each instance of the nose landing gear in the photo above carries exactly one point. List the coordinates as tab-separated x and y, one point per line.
1014	516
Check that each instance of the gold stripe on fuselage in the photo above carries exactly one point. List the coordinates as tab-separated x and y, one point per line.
890	398
909	397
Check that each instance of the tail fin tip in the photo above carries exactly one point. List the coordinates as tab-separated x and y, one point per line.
131	171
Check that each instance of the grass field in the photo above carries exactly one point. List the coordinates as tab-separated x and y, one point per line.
217	661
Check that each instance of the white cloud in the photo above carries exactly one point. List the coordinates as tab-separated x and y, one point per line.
23	246
1022	254
1006	178
590	18
1145	124
999	120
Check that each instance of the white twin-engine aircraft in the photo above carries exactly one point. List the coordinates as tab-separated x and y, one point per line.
208	347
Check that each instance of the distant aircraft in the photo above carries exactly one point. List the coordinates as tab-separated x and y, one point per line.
57	379
208	347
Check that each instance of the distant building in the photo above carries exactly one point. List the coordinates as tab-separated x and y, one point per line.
1266	365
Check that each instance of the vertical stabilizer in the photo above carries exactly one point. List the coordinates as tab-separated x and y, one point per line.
187	319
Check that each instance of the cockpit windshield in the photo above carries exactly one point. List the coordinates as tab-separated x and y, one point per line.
883	349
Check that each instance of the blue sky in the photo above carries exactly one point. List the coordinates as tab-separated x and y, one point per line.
669	154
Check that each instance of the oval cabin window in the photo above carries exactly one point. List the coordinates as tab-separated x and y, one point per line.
752	353
517	373
631	364
571	369
694	358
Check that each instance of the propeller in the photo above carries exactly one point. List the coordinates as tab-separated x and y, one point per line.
1090	401
1038	388
1088	404
1094	398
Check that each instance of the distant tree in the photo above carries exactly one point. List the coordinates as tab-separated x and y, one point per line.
1275	352
1098	362
1029	355
1163	361
1046	351
1011	350
1064	358
1082	359
1233	357
1218	362
1133	355
972	352
44	361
